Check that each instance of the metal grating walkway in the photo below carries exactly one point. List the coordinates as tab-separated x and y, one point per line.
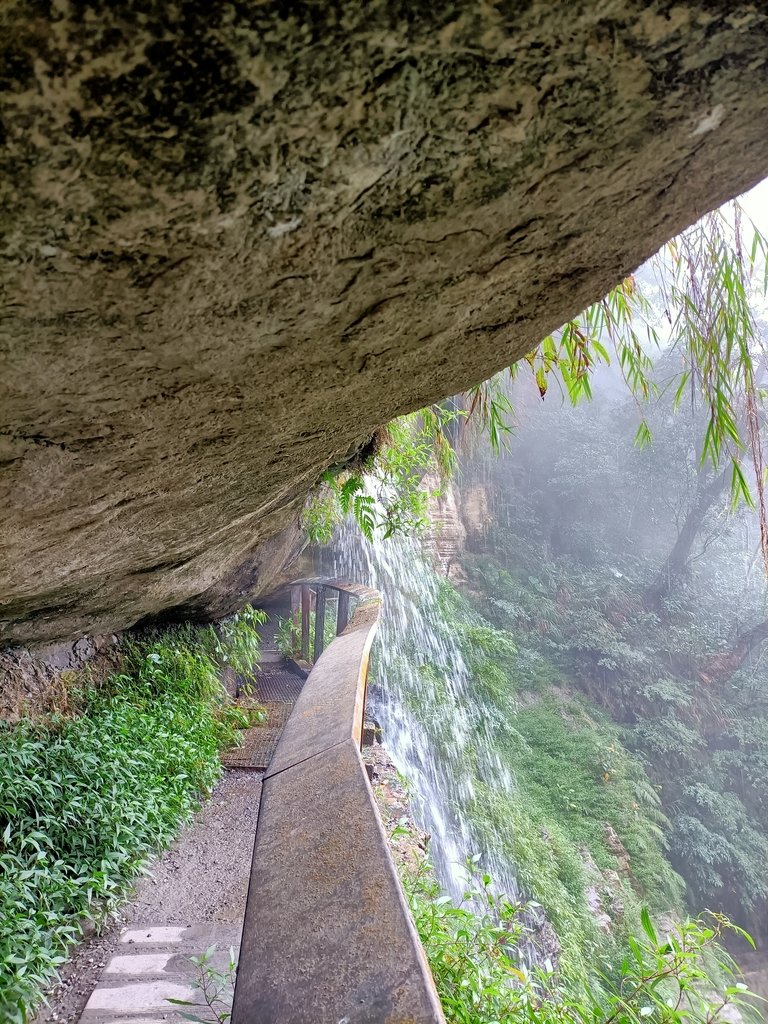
277	691
278	685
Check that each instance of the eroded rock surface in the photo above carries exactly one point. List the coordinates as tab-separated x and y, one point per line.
237	237
445	537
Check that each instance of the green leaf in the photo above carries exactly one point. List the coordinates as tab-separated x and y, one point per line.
650	931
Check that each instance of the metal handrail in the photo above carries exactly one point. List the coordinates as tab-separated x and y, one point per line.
327	935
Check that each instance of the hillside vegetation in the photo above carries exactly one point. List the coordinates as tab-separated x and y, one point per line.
627	584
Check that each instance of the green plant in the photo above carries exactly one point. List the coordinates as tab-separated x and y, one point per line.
473	952
215	987
287	640
386	494
256	715
85	800
286	637
236	641
571	569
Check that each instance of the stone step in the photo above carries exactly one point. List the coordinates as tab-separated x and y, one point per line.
195	937
152	965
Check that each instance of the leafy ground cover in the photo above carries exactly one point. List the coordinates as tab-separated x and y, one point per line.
87	797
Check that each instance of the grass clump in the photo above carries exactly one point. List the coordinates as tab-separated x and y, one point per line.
86	798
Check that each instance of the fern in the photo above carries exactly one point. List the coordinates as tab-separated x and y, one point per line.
348	489
363	508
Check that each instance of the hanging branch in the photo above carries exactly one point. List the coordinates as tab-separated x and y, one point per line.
708	278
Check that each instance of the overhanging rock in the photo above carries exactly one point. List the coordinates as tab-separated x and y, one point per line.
239	236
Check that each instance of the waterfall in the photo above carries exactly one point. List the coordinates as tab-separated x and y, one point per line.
422	696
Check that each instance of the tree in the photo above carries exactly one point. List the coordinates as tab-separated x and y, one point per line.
712	487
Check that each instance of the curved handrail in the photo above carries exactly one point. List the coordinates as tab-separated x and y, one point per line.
311	592
359	590
327	934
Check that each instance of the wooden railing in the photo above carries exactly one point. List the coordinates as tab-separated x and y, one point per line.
327	937
311	601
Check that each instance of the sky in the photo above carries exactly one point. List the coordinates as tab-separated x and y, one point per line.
755	203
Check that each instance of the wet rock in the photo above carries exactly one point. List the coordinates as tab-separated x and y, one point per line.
543	937
595	904
603	892
407	841
476	515
445	537
617	848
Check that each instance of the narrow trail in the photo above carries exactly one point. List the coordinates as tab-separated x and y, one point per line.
193	897
198	886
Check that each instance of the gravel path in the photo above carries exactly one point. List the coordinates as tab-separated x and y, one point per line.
202	877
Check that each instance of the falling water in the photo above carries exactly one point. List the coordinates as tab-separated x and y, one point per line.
421	694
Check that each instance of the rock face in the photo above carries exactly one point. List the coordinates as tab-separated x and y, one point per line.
445	537
35	684
237	237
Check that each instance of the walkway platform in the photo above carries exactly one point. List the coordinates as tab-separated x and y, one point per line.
152	965
277	689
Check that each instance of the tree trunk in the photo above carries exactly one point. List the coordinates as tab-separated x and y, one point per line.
237	237
721	667
676	563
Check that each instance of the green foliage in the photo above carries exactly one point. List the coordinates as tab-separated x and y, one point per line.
642	668
215	988
564	800
387	495
489	405
238	643
577	770
472	949
322	513
288	640
85	800
584	521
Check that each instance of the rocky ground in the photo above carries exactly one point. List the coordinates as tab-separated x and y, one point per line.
407	843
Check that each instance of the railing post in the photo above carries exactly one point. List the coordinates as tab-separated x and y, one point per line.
306	598
319	623
295	620
342	612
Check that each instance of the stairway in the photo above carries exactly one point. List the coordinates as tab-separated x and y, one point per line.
152	964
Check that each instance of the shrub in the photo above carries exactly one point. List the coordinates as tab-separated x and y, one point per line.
85	800
474	950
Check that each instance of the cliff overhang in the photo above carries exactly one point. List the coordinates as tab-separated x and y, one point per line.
238	237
